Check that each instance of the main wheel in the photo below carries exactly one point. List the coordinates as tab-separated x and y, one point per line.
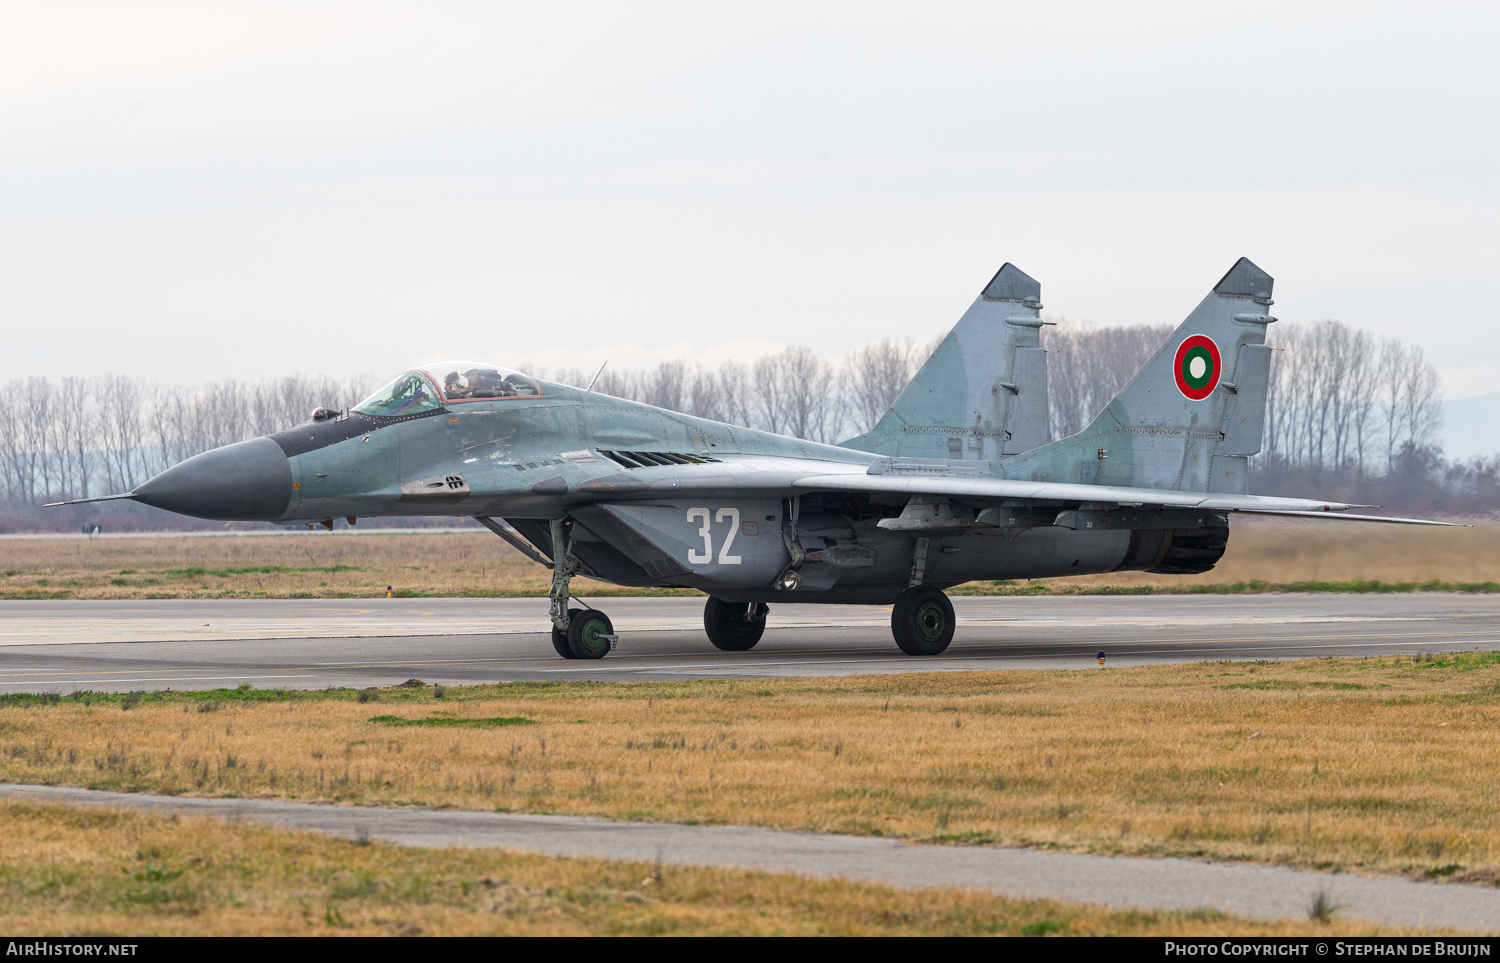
922	621
588	634
734	626
560	639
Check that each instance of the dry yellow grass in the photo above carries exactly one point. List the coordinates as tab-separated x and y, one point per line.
83	872
1380	766
277	566
1277	551
479	564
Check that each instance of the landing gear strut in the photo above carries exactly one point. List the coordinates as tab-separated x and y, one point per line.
922	621
734	626
576	633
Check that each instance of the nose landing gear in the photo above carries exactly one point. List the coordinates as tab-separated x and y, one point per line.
576	633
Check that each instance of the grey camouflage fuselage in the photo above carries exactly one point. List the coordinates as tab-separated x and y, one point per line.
929	496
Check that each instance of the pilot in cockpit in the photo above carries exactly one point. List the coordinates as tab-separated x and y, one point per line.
466	381
487	383
456	386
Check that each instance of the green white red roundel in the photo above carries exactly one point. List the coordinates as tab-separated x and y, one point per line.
1197	367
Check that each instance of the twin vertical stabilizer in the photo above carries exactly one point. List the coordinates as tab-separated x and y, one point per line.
983	393
1194	412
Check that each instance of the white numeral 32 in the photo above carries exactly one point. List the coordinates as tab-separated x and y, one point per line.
732	515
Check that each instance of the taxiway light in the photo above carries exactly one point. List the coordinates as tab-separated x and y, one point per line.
1101	658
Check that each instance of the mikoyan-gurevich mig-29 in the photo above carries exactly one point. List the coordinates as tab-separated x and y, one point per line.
958	481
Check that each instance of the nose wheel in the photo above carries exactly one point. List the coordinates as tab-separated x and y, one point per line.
922	621
590	634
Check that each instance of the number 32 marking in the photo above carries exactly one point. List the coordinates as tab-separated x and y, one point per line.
732	515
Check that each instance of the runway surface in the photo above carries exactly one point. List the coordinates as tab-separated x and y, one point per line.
1257	892
60	646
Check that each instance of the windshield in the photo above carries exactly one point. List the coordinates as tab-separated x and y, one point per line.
409	394
473	381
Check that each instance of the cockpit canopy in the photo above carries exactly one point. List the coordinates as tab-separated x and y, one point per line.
432	386
473	381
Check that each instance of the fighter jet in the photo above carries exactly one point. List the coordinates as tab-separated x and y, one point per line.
958	481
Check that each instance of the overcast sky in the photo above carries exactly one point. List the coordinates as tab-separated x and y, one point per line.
241	190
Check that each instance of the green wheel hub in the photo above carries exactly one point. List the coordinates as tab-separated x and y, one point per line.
589	634
592	635
932	622
922	621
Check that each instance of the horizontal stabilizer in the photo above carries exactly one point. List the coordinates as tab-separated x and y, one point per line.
96	498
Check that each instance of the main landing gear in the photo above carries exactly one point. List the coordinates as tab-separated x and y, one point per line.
922	621
734	626
922	618
576	633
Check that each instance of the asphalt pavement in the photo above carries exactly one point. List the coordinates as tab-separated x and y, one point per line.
1257	892
59	646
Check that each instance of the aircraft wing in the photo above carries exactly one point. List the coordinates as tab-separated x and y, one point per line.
1004	488
766	474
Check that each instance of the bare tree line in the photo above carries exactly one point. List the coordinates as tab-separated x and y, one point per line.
1087	365
791	392
76	437
1339	399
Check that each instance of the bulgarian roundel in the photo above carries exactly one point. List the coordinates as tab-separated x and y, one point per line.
1197	367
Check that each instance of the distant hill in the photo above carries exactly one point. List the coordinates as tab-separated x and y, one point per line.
1471	427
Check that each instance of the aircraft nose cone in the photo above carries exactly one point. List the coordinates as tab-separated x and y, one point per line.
248	481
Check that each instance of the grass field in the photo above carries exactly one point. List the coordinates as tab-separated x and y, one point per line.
1376	766
1263	556
90	871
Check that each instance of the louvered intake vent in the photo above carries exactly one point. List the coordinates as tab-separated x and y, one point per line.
650	459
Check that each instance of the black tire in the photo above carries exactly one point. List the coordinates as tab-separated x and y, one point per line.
734	626
922	621
586	632
560	639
